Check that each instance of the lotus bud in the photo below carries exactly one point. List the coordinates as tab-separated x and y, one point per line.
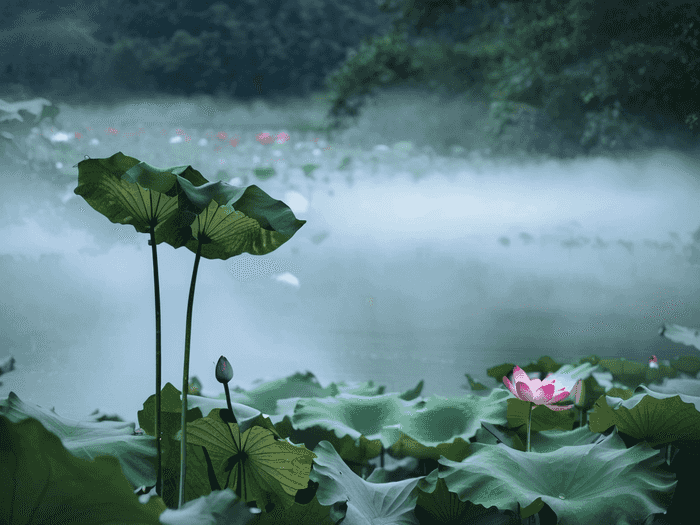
579	392
224	372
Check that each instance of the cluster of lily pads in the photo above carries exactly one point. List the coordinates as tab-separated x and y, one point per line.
291	451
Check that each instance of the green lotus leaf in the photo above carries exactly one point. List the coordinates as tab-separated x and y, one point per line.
367	502
256	465
42	482
651	416
229	220
128	191
604	482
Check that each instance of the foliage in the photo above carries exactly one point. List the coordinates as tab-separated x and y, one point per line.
381	62
452	460
49	54
597	70
577	61
246	49
402	57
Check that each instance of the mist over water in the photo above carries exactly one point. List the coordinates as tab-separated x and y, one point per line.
391	279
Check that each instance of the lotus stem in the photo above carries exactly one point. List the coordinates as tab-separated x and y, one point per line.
156	287
529	424
185	377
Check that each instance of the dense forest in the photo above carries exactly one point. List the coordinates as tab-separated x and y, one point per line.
591	72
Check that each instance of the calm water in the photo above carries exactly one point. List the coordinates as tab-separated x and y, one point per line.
390	280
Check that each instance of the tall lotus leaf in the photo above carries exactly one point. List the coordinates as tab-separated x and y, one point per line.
122	189
230	220
218	221
180	207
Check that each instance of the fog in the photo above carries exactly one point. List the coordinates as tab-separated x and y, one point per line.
391	279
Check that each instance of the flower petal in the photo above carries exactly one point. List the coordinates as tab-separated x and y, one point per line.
520	376
510	386
524	392
543	395
561	395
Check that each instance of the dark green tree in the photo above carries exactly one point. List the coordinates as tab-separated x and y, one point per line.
597	70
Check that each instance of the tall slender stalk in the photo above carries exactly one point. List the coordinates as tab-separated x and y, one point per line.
529	424
186	376
156	288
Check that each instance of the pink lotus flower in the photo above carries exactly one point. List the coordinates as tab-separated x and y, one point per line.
264	138
539	392
536	391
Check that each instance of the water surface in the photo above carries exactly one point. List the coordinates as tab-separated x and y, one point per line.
391	279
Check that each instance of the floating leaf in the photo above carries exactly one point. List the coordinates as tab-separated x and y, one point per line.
89	439
264	173
604	482
345	163
309	169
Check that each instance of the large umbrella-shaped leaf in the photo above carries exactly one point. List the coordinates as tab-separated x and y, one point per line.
128	191
254	464
228	220
656	418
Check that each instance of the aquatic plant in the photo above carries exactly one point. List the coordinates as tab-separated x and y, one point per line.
536	392
312	456
179	206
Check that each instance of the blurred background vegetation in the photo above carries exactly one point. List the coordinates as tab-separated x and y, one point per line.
568	77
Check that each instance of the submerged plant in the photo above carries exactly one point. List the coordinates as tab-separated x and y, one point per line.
180	207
